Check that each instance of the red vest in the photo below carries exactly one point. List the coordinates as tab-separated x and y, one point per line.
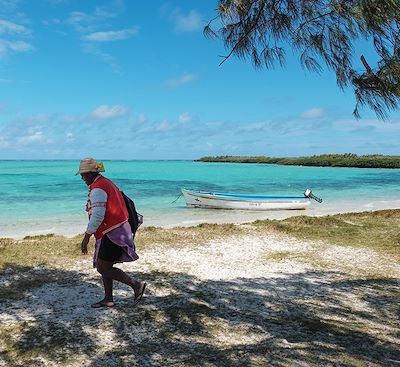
116	212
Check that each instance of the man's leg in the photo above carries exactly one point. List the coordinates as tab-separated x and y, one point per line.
110	273
104	267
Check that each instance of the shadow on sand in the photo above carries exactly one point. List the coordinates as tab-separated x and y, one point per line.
303	319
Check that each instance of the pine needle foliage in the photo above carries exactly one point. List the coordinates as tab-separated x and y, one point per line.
323	33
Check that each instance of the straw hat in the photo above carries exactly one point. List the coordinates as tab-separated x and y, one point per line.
90	165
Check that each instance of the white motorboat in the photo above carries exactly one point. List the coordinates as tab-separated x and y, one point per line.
204	199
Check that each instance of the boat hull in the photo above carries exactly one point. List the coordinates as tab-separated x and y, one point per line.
202	199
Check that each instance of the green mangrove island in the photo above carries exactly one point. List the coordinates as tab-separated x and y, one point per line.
323	160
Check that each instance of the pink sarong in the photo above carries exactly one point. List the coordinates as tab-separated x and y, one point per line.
121	236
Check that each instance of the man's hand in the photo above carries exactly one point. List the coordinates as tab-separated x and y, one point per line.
84	243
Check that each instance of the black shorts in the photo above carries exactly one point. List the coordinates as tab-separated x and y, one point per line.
109	251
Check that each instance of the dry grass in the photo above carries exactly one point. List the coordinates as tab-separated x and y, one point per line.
184	236
379	230
38	250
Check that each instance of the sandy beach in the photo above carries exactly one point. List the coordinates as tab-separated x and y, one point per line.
182	216
252	297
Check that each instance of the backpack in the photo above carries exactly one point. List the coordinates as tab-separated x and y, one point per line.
135	219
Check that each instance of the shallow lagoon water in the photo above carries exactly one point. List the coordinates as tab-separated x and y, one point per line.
39	197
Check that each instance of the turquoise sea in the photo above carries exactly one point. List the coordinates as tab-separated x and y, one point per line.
39	197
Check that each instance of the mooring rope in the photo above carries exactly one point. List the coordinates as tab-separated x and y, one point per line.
177	198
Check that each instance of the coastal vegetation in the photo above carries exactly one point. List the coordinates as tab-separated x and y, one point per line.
323	160
324	34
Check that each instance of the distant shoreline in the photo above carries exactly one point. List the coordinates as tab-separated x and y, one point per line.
324	160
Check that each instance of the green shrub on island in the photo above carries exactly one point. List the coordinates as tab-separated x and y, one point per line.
323	160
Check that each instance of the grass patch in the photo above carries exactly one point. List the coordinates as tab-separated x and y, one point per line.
378	230
280	255
40	236
35	250
52	249
308	257
185	236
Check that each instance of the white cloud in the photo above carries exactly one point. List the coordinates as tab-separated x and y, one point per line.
184	79
7	27
81	22
53	21
77	17
110	35
165	126
187	23
93	49
105	112
90	26
353	125
142	118
14	30
70	138
184	118
90	22
8	47
36	137
111	10
9	5
252	127
85	22
3	143
68	119
313	113
19	46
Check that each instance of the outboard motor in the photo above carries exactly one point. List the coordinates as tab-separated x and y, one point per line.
308	194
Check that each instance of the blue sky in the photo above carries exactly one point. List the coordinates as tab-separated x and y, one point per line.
138	80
